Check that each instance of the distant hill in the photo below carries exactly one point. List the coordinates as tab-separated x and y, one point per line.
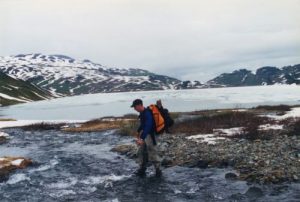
63	75
262	76
13	91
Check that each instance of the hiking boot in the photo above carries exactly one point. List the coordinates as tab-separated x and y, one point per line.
141	172
158	172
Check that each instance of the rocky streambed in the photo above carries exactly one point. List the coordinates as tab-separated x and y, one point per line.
261	161
82	167
261	149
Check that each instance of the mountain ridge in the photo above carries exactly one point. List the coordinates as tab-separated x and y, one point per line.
268	75
63	75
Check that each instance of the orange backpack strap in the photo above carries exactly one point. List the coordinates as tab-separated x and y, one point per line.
159	120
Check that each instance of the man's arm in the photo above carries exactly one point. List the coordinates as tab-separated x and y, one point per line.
148	125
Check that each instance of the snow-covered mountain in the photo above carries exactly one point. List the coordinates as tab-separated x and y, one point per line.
63	75
262	76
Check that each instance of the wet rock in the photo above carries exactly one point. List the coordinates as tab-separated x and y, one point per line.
8	164
14	162
237	197
295	177
222	164
231	176
3	137
2	140
3	175
202	164
163	146
126	149
254	192
166	161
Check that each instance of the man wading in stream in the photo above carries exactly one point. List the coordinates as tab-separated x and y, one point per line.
146	140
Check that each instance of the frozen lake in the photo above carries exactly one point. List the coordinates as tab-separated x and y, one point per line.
91	106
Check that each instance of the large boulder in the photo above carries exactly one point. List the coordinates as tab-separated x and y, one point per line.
8	164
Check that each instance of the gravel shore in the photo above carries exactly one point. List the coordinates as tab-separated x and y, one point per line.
272	157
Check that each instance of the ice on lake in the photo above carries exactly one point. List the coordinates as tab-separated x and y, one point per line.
85	107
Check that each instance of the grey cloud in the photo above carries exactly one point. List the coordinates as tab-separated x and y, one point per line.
190	39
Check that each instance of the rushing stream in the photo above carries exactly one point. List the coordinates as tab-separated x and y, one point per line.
80	167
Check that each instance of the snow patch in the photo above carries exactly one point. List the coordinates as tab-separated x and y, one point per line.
11	98
210	139
240	110
228	132
18	123
295	112
17	162
271	127
2	134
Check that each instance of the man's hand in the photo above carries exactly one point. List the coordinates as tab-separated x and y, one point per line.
140	141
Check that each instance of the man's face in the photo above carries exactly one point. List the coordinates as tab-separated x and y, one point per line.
139	108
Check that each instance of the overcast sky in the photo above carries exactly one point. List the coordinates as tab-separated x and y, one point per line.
187	39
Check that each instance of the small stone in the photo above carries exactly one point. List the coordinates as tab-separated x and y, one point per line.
278	174
202	164
230	176
2	140
123	149
295	177
166	161
254	192
237	197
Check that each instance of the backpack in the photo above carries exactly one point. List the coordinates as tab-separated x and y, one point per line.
169	122
158	119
